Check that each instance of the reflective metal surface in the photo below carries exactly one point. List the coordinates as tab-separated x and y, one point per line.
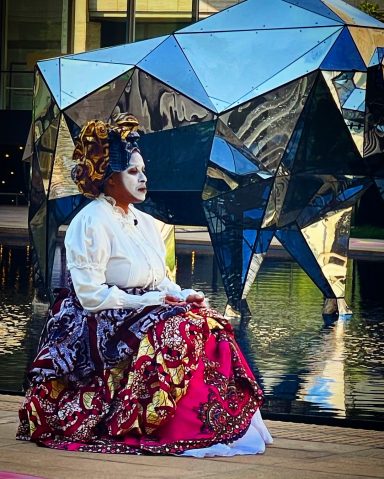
316	7
158	106
223	80
61	183
265	124
263	120
46	150
169	64
351	15
45	109
271	14
344	54
328	241
367	40
73	86
128	54
100	103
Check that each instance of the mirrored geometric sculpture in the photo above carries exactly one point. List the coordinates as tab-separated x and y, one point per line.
263	121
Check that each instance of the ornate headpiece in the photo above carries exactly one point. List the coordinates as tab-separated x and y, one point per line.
102	149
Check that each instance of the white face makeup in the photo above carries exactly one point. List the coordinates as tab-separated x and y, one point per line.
129	186
134	179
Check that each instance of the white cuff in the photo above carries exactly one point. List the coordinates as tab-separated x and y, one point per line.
152	298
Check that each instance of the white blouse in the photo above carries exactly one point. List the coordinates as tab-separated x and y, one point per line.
108	250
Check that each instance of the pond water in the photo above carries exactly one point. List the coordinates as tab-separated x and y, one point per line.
308	367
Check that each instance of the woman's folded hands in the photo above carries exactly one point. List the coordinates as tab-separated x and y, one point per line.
197	299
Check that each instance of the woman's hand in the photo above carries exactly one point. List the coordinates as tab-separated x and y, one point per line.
198	300
174	300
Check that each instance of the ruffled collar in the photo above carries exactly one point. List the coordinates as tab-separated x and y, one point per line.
127	218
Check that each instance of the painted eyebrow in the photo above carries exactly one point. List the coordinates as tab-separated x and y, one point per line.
134	167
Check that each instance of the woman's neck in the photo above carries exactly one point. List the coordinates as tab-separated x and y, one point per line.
123	206
111	199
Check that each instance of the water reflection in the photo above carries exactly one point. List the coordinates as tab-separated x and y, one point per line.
306	366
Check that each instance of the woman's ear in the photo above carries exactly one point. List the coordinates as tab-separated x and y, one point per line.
110	181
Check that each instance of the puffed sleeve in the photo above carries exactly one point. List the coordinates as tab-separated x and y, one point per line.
88	248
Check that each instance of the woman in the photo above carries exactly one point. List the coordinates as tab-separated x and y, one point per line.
129	362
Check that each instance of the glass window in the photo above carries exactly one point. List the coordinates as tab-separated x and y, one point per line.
32	31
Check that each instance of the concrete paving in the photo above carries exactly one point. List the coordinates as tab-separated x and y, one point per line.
300	451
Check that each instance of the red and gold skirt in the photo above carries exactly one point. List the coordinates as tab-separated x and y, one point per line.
163	379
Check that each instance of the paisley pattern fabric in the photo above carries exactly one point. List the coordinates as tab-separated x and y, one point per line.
160	379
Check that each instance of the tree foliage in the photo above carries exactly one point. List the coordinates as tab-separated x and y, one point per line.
372	9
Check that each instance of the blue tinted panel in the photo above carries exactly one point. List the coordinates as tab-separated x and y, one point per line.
293	145
264	240
356	100
380	52
338	193
63	209
227	241
129	54
74	72
243	165
315	6
168	63
60	211
353	192
101	103
307	63
247	255
50	70
260	14
375	59
222	155
300	190
344	54
220	105
322	125
249	237
294	242
321	202
245	162
380	185
173	207
177	159
344	85
351	14
262	53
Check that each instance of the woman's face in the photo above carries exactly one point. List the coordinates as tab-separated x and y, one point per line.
129	186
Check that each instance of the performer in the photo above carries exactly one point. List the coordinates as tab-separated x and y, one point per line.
129	362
